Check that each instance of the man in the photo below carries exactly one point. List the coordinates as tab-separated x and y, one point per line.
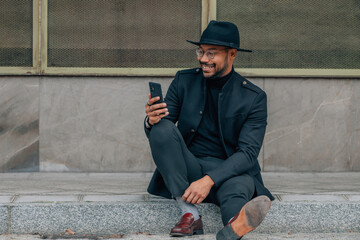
211	155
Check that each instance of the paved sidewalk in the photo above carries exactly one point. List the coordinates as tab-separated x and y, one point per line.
109	187
250	236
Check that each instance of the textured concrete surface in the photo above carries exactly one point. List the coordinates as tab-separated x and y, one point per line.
114	203
313	125
159	217
19	124
94	124
3	219
88	124
105	218
355	136
104	187
250	236
312	217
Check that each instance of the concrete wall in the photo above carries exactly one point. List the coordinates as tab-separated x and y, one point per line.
95	124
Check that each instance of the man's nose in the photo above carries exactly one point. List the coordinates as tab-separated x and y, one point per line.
204	58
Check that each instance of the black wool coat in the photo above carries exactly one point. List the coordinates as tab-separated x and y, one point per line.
242	115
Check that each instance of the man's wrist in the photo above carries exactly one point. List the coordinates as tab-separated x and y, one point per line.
209	180
148	125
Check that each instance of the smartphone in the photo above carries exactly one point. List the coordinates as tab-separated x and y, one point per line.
155	91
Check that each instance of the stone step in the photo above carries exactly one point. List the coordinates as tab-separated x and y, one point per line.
118	204
160	216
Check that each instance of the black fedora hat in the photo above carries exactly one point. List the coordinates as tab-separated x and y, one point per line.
221	34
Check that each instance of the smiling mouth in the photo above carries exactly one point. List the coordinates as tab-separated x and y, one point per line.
207	67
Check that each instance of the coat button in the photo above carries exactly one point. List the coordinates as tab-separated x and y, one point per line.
201	112
197	69
192	130
244	82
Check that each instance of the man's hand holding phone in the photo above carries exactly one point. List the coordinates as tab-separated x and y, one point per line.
155	108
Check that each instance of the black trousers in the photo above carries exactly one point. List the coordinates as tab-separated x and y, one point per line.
179	168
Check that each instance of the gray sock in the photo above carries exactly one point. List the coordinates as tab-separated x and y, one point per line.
187	208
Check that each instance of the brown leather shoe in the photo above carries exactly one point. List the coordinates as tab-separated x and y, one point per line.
249	218
187	226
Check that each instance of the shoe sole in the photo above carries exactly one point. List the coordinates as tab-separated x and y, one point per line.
249	218
252	214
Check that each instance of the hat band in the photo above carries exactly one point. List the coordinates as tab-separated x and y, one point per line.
217	42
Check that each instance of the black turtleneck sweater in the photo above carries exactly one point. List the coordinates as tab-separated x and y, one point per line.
206	142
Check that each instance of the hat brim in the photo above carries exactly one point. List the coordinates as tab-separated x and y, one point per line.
217	43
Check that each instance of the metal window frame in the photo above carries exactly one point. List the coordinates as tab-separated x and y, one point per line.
45	70
40	33
35	53
208	13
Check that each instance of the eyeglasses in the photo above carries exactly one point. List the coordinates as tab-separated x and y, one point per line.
209	54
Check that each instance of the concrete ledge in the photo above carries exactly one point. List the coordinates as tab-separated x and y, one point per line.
159	217
103	218
118	204
3	219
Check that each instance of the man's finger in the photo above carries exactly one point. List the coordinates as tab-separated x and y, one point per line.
157	114
153	118
195	200
155	107
160	111
199	201
148	109
158	105
186	194
164	115
190	198
152	100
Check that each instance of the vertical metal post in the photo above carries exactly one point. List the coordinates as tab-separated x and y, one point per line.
204	14
35	42
44	36
212	10
208	12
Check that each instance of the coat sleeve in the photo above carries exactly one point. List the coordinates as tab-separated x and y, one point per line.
248	146
173	103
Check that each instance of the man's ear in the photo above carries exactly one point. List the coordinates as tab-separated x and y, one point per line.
233	53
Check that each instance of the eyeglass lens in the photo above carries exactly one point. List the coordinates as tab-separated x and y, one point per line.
200	53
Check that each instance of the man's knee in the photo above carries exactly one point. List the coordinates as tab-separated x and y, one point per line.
162	132
239	186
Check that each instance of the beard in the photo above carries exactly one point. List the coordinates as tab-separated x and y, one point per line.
218	72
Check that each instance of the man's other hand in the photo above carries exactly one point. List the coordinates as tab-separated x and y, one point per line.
155	112
198	190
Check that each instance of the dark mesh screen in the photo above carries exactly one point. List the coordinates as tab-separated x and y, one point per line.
296	33
122	33
16	18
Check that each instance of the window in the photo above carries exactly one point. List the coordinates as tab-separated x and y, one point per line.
147	37
122	33
16	32
322	34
